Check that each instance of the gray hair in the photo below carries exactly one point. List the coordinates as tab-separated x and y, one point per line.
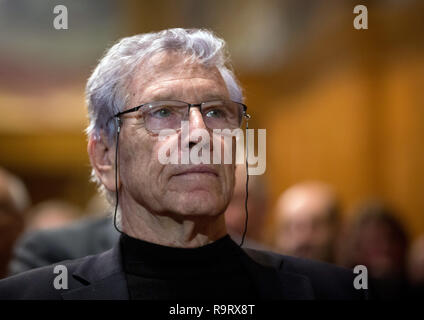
106	91
107	87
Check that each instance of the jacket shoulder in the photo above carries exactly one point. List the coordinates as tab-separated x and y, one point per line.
44	247
39	283
327	280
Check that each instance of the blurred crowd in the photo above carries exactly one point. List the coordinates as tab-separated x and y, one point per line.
307	221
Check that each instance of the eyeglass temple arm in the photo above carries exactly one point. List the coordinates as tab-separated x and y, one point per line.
245	114
127	111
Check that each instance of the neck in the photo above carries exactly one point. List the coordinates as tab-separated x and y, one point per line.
172	230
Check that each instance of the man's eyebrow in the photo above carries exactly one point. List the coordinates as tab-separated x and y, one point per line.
166	95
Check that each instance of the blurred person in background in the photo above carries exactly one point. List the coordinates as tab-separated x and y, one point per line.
51	214
14	200
92	234
416	267
257	205
307	221
416	261
377	240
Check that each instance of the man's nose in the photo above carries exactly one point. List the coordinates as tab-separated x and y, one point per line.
196	119
196	123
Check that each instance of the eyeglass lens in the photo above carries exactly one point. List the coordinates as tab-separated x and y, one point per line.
161	115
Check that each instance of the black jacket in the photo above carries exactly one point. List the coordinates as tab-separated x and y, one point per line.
101	277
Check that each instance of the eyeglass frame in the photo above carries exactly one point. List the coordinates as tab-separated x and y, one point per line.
189	106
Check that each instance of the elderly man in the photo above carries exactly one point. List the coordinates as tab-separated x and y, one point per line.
174	243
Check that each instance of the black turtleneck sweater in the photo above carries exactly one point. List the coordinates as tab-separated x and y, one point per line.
213	271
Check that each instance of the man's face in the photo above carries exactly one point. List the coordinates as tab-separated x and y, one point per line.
175	189
305	229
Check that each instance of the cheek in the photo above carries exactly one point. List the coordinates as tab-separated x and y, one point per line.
137	161
229	153
229	180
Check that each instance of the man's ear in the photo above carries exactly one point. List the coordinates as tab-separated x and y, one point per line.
101	152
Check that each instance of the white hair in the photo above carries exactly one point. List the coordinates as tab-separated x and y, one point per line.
107	87
106	91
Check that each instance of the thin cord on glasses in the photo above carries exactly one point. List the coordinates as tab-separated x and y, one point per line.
247	185
116	175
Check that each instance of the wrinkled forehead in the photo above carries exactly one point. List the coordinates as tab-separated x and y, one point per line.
166	66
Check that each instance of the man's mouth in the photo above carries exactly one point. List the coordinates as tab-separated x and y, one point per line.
198	169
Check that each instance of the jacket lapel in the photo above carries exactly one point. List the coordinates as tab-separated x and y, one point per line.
100	277
273	284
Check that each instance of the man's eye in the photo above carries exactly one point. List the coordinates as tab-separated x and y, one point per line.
215	113
162	113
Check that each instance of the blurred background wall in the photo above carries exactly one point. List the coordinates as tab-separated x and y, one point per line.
340	105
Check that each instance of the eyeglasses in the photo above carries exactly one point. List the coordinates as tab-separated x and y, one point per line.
159	115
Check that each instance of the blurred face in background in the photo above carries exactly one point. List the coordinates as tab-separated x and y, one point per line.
380	249
51	214
377	240
305	222
416	262
14	200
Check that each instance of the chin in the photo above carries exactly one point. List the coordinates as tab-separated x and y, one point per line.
199	203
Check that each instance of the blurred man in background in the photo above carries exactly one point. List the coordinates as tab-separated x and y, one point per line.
416	267
14	200
308	221
416	262
377	240
235	215
51	214
91	235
